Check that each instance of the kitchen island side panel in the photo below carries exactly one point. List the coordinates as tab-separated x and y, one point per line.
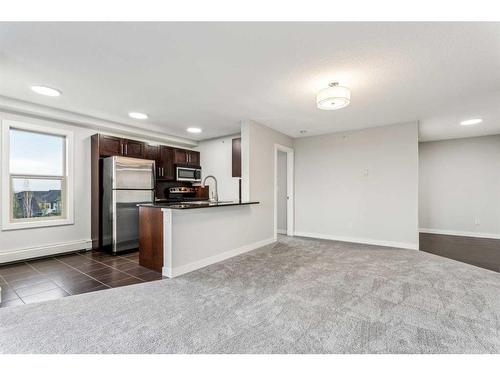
151	238
200	237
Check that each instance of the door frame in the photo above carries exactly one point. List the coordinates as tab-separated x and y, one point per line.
290	206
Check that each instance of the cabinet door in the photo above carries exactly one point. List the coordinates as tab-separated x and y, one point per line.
194	158
180	156
167	164
110	146
134	149
236	157
153	153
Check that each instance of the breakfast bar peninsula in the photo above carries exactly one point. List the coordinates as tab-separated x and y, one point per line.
178	238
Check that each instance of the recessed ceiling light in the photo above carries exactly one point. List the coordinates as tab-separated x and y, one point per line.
194	130
47	91
333	97
472	121
138	115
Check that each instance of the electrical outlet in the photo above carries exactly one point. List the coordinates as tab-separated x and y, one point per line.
366	172
477	221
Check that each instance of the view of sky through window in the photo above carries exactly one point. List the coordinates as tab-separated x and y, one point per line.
31	155
36	153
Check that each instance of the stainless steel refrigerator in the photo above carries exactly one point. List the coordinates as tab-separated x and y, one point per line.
126	183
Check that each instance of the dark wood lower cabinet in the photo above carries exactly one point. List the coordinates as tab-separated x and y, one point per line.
151	238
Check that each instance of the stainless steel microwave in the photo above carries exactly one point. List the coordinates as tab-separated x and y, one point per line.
188	174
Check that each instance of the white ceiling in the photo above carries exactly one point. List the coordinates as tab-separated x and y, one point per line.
213	75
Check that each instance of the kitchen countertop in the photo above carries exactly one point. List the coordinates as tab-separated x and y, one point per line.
198	204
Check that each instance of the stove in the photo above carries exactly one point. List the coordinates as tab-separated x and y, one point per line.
181	194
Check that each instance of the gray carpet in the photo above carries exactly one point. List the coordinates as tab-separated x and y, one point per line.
295	296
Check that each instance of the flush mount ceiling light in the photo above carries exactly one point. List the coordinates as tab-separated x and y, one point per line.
138	115
44	90
333	97
193	130
472	121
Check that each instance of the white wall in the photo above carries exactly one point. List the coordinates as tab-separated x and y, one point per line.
281	191
216	160
359	186
23	243
221	233
460	186
257	154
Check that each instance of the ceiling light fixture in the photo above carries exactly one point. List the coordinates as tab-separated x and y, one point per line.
333	97
138	115
193	130
47	91
472	121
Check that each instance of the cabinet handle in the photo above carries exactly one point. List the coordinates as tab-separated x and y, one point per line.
162	173
126	149
121	148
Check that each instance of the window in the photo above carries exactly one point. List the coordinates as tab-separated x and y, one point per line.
36	165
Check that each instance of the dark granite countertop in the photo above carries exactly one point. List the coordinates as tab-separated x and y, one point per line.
198	204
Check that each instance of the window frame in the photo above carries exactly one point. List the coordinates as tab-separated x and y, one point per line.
67	217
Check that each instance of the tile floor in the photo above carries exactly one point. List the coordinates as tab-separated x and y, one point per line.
61	276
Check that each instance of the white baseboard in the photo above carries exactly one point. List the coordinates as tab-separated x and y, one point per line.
401	245
47	250
460	233
177	271
282	231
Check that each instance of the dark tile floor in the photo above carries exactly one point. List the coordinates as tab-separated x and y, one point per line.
77	273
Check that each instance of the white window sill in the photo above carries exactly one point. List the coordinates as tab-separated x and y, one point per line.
36	224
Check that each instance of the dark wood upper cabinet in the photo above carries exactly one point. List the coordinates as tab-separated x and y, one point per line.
114	146
133	149
180	156
186	157
152	152
236	157
166	163
109	146
194	158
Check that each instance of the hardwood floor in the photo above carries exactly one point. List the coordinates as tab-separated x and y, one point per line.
481	252
61	276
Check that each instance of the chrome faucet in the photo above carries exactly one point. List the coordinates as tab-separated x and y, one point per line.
216	191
